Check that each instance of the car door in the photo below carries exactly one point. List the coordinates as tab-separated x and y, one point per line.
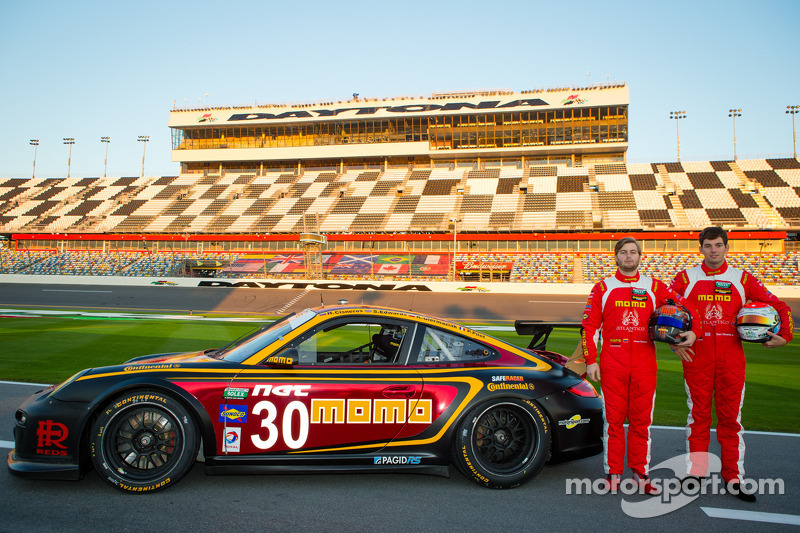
347	389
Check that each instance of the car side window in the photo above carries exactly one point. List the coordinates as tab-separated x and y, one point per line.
440	346
350	343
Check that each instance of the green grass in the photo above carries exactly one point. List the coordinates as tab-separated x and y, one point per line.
49	350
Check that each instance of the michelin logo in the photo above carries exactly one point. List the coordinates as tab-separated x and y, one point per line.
396	460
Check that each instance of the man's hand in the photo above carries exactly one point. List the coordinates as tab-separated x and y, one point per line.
774	342
683	352
682	348
593	372
688	339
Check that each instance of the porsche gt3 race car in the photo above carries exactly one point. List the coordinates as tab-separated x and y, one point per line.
345	388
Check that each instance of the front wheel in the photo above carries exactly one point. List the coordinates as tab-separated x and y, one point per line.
502	444
143	442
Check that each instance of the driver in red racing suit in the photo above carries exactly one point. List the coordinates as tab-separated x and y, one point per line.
716	365
620	307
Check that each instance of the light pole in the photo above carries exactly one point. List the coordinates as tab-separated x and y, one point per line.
677	115
455	220
143	139
70	141
105	140
734	113
35	144
793	110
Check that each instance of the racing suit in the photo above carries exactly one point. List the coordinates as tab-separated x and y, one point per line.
620	307
718	366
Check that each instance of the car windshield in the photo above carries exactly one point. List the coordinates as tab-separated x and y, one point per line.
239	350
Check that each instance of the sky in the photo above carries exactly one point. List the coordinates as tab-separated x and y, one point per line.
91	69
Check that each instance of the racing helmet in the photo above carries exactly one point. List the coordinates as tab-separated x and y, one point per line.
387	342
668	321
755	319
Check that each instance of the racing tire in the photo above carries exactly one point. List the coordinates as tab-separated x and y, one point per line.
502	444
143	441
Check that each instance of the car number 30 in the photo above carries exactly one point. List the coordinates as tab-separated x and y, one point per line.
268	422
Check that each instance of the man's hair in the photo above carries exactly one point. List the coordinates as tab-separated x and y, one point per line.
713	232
626	240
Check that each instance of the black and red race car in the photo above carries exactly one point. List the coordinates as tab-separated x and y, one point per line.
346	388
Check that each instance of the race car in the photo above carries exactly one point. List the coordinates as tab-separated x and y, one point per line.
330	389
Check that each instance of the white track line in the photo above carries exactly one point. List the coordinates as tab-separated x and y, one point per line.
6	444
752	516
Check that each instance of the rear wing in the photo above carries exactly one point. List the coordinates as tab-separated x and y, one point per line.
540	331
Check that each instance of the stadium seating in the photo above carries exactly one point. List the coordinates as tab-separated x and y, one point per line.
747	194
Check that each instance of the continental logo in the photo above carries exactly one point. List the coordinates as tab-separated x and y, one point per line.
475	473
620	303
541	416
157	486
509	386
136	368
138	398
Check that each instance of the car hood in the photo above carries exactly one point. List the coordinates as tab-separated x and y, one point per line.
164	358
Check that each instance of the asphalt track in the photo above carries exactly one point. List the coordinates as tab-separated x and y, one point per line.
485	307
376	502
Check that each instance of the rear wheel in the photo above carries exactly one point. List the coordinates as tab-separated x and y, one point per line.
143	441
503	443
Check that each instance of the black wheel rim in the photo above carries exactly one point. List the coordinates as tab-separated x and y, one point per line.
143	443
505	439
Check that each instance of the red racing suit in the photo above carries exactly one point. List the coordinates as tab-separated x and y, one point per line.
620	308
718	366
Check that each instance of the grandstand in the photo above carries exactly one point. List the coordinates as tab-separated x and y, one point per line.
485	186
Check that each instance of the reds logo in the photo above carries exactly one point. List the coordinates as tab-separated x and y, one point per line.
50	435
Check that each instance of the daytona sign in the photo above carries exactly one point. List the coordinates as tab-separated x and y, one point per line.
372	110
310	285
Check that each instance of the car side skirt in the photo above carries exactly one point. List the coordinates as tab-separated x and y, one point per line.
377	463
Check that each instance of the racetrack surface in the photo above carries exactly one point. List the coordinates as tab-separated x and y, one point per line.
466	306
364	502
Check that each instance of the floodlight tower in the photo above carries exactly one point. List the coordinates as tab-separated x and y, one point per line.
734	113
106	141
678	115
35	144
793	110
69	141
143	139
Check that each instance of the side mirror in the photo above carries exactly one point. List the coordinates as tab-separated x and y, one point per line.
286	359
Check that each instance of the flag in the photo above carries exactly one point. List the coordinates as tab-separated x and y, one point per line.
430	265
387	259
391	270
428	259
282	268
353	264
247	265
